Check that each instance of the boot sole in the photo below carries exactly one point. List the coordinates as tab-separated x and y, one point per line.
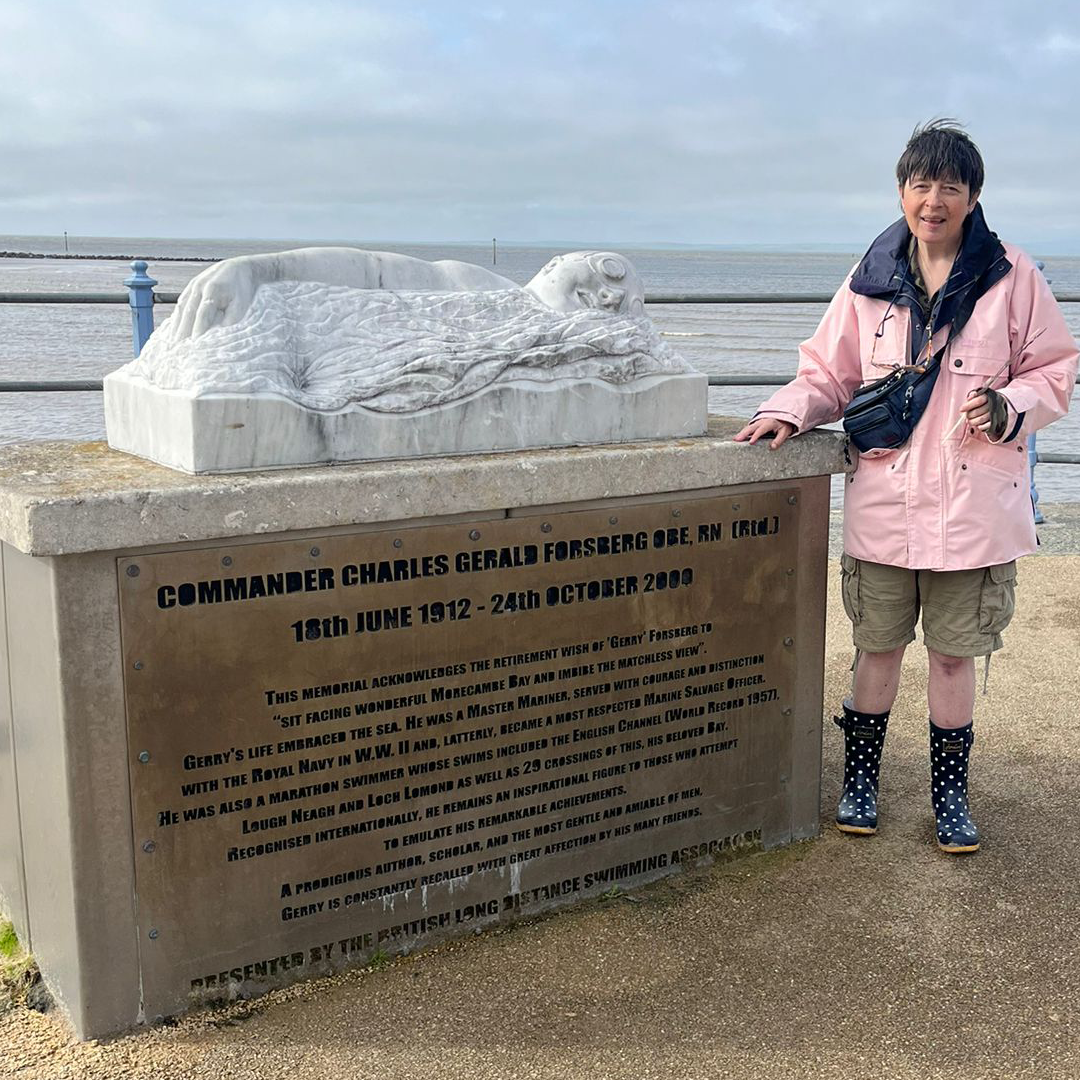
857	830
954	850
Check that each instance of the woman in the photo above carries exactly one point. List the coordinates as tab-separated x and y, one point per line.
937	523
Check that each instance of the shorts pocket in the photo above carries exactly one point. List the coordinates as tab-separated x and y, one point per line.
850	588
998	600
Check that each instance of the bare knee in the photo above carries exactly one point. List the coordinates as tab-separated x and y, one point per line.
883	659
949	666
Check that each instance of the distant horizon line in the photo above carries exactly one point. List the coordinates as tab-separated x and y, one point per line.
803	247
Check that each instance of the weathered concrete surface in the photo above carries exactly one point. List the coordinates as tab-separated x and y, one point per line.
66	498
70	510
847	956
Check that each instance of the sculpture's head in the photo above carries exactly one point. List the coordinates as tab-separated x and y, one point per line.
589	279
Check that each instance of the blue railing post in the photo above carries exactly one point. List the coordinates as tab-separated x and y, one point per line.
1033	457
141	298
1033	454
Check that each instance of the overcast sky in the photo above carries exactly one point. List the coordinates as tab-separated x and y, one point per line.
742	122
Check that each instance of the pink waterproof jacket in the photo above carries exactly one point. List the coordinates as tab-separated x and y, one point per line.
949	499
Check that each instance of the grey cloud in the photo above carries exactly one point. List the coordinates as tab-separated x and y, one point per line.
737	122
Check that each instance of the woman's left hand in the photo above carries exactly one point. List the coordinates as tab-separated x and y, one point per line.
978	410
987	411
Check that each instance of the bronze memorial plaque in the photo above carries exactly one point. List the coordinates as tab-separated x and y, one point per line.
364	741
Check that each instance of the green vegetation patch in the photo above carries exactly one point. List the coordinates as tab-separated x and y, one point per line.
17	968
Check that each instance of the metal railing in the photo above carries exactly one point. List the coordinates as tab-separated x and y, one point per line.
658	298
141	298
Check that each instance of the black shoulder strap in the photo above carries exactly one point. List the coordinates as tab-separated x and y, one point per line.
964	307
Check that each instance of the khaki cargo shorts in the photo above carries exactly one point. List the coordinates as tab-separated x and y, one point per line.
963	611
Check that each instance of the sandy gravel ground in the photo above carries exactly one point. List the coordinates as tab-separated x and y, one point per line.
843	957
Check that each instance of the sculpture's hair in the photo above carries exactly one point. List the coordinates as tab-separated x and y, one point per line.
941	149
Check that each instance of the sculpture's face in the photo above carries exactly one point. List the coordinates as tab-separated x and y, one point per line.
589	279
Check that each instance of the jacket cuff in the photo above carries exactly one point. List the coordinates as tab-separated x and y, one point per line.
1016	427
1013	423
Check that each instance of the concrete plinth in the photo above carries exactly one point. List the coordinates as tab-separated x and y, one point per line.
258	728
229	433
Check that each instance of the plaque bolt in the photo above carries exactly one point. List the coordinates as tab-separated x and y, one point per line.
676	512
734	506
314	552
790	571
153	934
789	641
474	534
227	561
144	756
786	712
613	520
149	847
546	527
132	571
138	665
397	542
792	499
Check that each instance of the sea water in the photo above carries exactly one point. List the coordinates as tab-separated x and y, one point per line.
73	341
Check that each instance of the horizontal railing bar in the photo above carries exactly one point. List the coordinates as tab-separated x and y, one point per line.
762	380
738	298
1051	458
15	386
31	387
62	298
749	380
660	298
709	298
80	298
673	298
776	298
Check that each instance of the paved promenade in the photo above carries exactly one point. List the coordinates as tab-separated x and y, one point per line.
842	957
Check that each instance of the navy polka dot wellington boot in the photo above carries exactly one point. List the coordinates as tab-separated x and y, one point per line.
864	737
949	751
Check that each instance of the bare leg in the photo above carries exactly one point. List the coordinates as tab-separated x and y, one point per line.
877	678
951	693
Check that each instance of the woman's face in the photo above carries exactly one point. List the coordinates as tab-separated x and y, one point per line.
583	279
935	210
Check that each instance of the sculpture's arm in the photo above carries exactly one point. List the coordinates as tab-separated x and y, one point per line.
222	294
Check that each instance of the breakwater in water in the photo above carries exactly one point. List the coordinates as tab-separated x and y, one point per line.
103	258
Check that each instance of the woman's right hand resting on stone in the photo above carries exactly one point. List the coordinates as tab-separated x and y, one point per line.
764	426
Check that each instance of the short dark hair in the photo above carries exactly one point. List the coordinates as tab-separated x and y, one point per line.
941	150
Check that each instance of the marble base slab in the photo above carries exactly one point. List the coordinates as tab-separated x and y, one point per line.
219	433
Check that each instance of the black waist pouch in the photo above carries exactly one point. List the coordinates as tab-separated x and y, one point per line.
883	414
